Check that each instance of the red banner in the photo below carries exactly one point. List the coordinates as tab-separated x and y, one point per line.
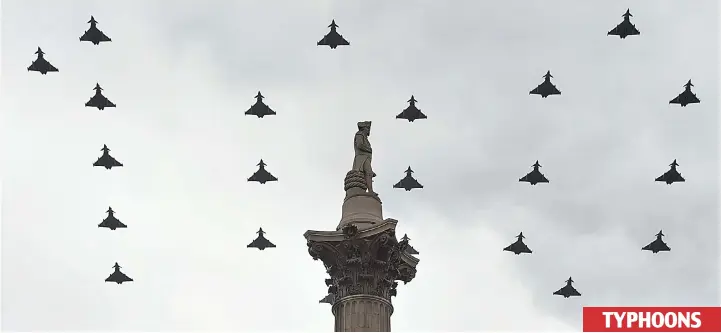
651	319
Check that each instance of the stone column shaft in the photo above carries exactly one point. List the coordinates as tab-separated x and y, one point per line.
363	313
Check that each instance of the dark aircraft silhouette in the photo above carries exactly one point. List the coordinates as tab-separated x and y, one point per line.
94	34
330	298
111	222
117	276
106	160
411	113
546	88
408	248
259	108
518	246
40	64
99	101
261	243
568	290
625	28
657	245
534	177
262	176
333	38
671	176
686	97
408	182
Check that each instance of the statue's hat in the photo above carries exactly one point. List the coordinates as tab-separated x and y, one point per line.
364	124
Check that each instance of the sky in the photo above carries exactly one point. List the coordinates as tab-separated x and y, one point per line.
182	76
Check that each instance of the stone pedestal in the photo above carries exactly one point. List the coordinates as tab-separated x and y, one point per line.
361	208
364	260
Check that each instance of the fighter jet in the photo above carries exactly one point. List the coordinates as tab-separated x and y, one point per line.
333	38
106	160
40	64
111	222
262	176
657	245
261	243
411	113
546	88
671	176
518	246
686	97
259	108
330	298
568	290
94	34
99	101
534	177
408	248
117	276
408	182
625	28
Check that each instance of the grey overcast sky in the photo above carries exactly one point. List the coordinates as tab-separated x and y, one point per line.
183	72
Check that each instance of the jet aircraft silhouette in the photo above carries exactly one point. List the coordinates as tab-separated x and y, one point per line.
333	38
40	64
99	101
262	176
261	243
534	177
111	222
518	246
657	245
625	28
671	176
259	108
330	298
106	160
408	182
546	88
568	290
411	113
117	276
94	34
408	248
686	97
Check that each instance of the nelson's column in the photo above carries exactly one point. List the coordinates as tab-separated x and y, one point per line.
362	255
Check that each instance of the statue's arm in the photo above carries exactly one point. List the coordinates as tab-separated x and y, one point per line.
363	144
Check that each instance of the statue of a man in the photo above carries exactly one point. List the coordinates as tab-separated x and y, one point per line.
364	153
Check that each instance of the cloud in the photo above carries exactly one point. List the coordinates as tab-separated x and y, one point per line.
182	77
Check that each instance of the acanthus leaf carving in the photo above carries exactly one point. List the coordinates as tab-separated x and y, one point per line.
363	265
